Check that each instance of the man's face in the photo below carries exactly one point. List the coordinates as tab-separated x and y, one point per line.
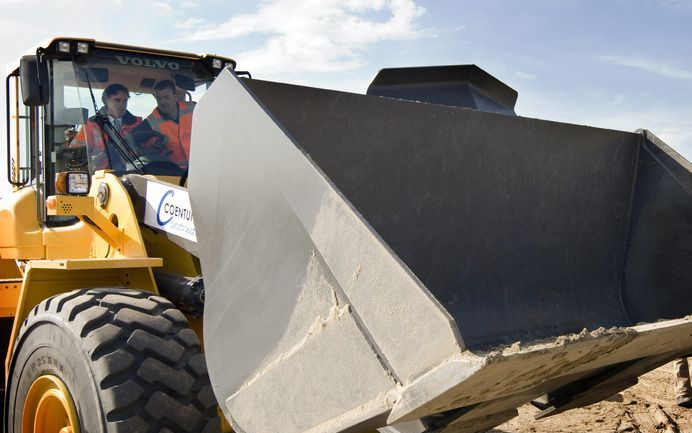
117	104
167	102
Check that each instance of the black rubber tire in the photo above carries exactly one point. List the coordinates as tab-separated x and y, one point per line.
128	358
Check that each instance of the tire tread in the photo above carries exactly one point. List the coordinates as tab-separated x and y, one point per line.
147	363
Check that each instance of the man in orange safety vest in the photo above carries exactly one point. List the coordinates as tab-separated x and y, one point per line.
112	122
173	119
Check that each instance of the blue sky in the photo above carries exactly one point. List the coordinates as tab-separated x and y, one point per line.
615	64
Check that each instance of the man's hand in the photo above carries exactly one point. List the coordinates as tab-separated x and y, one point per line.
152	145
159	143
70	134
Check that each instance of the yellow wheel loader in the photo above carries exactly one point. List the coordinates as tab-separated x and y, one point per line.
89	343
416	259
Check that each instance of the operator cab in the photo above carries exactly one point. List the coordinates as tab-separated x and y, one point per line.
56	93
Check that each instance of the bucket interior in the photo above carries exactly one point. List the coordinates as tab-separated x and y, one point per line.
521	228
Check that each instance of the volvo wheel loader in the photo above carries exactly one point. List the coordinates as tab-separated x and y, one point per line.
415	259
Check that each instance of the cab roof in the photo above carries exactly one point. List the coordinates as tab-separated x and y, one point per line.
52	43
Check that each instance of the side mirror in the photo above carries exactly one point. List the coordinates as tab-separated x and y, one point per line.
34	77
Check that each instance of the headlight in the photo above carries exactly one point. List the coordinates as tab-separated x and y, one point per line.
64	47
72	183
82	48
78	183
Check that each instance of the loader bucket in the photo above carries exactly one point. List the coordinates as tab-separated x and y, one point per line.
373	262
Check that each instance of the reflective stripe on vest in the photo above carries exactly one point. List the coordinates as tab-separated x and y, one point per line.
178	133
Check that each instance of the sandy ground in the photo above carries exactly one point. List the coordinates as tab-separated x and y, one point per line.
648	407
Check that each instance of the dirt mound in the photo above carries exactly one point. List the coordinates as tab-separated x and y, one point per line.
647	407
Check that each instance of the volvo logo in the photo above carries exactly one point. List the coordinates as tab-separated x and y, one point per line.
149	63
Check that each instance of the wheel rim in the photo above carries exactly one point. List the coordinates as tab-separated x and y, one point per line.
49	408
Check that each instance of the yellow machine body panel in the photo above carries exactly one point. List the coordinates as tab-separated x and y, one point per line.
175	258
68	242
9	295
110	215
20	233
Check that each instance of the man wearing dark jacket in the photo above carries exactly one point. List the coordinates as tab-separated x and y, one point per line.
100	129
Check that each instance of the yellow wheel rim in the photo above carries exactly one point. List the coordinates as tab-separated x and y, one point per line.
49	408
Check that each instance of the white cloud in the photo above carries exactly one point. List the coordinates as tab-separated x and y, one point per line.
189	5
649	66
162	8
313	35
190	23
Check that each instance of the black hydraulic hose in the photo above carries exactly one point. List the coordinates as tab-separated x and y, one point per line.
186	293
